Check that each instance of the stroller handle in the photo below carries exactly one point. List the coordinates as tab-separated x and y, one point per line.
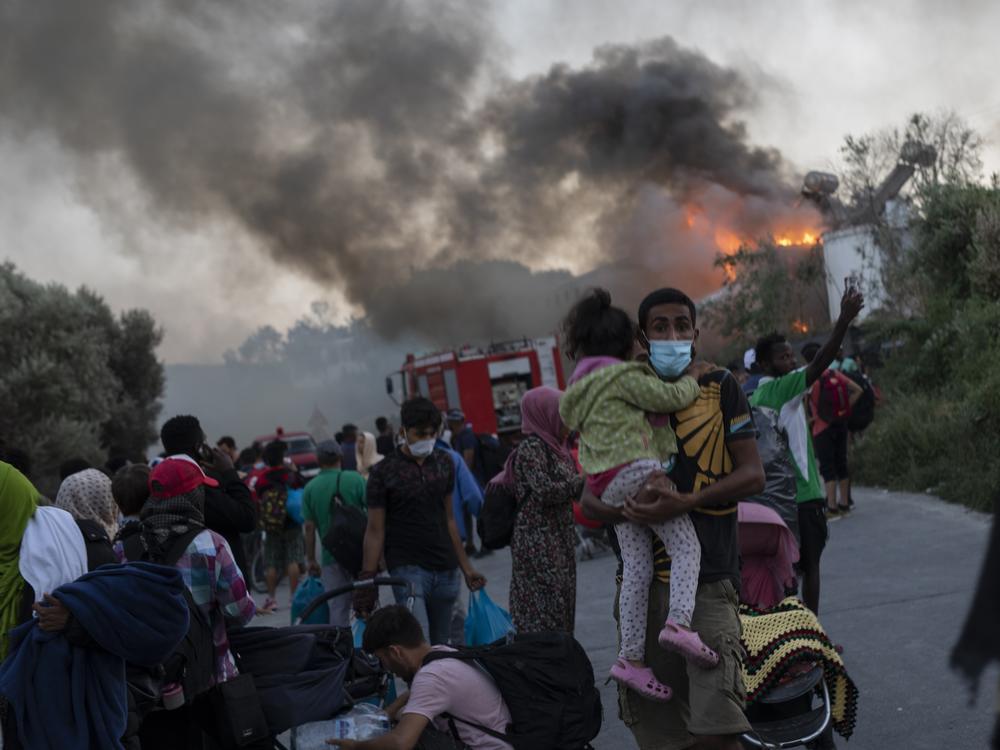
752	739
367	583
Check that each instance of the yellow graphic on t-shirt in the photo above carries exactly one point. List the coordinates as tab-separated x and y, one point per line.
702	435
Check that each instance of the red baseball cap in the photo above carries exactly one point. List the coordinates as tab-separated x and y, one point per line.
177	475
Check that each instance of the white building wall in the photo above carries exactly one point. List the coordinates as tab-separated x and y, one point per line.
853	252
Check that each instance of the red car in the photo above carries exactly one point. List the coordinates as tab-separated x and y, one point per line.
301	450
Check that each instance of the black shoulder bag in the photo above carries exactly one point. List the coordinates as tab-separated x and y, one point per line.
345	539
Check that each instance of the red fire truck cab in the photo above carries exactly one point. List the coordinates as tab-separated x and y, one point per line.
486	384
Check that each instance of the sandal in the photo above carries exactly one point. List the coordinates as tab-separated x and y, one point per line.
641	680
687	643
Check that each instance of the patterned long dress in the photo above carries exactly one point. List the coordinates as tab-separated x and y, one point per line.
543	580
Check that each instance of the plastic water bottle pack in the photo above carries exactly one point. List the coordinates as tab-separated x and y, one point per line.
363	722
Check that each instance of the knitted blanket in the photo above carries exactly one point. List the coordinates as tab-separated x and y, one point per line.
788	634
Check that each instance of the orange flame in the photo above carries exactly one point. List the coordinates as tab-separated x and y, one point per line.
800	326
728	242
795	239
717	228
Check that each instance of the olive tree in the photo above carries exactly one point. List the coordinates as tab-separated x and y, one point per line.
75	380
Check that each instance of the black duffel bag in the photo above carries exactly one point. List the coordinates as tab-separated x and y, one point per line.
345	539
299	671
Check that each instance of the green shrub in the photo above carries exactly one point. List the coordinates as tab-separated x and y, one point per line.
926	443
938	428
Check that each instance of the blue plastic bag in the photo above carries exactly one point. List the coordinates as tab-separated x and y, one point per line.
486	622
293	506
358	631
308	590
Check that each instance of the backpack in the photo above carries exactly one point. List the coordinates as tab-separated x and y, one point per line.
96	543
345	539
273	507
497	516
492	456
863	412
547	682
192	663
834	404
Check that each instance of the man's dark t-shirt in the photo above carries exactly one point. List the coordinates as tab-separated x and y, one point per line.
413	495
349	461
385	444
231	511
720	416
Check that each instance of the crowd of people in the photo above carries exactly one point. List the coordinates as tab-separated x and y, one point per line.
653	443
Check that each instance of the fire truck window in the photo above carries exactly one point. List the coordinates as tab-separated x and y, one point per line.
451	389
507	394
423	387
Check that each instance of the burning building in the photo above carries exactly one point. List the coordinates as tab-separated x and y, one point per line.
852	242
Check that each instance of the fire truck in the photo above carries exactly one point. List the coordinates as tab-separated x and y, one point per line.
487	384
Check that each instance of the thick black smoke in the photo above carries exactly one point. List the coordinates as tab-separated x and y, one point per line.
376	144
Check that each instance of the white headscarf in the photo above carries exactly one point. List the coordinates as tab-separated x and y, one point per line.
52	551
369	457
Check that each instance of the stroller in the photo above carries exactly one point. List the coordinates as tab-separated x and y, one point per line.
791	665
307	673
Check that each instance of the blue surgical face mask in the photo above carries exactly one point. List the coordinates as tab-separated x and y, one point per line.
670	358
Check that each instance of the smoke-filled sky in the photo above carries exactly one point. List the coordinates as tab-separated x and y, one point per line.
227	164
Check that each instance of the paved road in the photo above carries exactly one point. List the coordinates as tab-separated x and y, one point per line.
897	580
898	576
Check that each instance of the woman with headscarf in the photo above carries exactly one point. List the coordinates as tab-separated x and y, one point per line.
43	562
87	497
543	548
367	453
18	503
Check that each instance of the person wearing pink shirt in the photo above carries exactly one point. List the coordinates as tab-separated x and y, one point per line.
446	695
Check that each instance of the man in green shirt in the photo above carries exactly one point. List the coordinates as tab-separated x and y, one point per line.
782	390
316	502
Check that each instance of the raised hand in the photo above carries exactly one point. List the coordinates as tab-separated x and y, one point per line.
852	303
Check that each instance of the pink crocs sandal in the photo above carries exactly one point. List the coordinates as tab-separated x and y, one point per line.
641	680
688	644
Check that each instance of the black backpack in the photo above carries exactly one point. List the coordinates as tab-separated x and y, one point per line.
97	544
497	516
863	412
492	456
547	682
192	664
345	539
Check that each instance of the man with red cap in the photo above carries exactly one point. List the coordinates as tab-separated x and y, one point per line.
176	510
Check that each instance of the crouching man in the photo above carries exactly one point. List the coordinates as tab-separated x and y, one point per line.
440	689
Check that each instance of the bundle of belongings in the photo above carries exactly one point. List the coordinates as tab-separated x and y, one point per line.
59	694
780	640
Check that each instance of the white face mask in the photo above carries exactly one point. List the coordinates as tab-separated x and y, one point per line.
422	448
